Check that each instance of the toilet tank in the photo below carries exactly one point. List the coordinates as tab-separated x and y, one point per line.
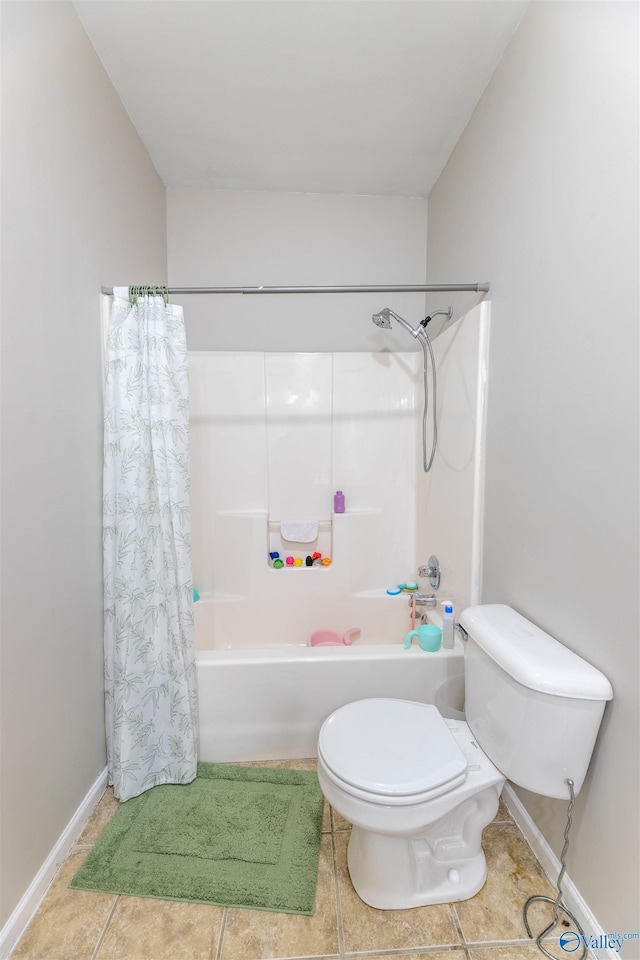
533	705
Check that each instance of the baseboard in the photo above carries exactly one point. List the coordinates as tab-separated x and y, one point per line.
551	866
23	913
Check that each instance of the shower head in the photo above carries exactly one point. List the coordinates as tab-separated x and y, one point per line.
382	319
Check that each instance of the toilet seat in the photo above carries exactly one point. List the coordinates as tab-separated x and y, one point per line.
391	752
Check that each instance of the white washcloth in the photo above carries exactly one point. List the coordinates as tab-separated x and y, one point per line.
299	531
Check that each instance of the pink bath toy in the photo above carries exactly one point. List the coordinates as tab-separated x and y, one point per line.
331	638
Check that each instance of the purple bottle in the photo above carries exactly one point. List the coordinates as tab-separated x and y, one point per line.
338	502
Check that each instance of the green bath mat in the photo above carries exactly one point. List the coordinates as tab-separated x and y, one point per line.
235	836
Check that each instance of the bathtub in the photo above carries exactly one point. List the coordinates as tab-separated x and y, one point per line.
268	704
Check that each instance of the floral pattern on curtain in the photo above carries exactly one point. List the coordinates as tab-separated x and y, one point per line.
150	674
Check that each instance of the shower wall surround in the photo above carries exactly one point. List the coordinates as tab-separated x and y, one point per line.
451	496
273	435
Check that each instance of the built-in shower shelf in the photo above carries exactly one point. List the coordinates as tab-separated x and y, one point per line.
295	550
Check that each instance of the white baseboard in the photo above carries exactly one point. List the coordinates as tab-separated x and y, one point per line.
551	866
23	913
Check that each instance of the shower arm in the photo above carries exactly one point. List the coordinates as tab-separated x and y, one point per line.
436	313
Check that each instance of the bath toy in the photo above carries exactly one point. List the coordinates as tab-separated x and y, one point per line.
331	638
275	555
297	562
393	591
289	561
408	587
316	556
196	595
278	563
326	561
309	561
429	637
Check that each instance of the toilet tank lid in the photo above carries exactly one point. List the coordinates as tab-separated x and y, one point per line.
532	657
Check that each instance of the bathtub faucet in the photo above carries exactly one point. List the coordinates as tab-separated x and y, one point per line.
424	600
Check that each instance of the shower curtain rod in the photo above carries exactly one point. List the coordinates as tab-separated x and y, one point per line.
382	288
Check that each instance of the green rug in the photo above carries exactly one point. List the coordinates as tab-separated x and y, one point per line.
235	836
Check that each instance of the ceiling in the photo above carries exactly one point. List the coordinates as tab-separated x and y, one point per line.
322	96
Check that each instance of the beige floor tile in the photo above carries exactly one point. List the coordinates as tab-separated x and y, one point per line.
310	763
104	811
326	818
431	955
259	934
368	929
148	929
513	875
520	951
307	763
540	916
338	821
69	923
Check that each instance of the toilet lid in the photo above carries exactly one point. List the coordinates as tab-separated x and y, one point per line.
391	747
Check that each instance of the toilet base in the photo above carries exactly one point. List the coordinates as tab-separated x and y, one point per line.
443	865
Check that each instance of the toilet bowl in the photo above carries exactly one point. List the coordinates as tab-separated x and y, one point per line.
418	791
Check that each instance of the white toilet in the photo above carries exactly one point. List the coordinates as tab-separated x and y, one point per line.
420	789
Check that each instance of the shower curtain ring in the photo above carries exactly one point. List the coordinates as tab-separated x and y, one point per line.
144	290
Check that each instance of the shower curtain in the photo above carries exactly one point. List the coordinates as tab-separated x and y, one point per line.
150	675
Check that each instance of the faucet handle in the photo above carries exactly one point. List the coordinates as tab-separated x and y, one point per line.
432	571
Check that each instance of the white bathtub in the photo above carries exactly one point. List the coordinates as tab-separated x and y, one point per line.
268	704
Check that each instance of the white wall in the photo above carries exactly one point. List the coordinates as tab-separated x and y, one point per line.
541	198
81	206
238	238
451	495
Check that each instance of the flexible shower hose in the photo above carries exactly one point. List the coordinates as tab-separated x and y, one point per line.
423	337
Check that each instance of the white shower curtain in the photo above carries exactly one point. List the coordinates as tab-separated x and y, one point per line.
150	676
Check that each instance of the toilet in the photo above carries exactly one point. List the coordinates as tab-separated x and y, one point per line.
419	789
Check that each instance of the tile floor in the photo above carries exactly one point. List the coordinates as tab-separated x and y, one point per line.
77	925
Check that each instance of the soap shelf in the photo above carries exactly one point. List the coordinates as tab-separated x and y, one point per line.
295	550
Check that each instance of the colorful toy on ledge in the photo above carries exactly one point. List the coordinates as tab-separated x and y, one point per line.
410	587
312	560
331	638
